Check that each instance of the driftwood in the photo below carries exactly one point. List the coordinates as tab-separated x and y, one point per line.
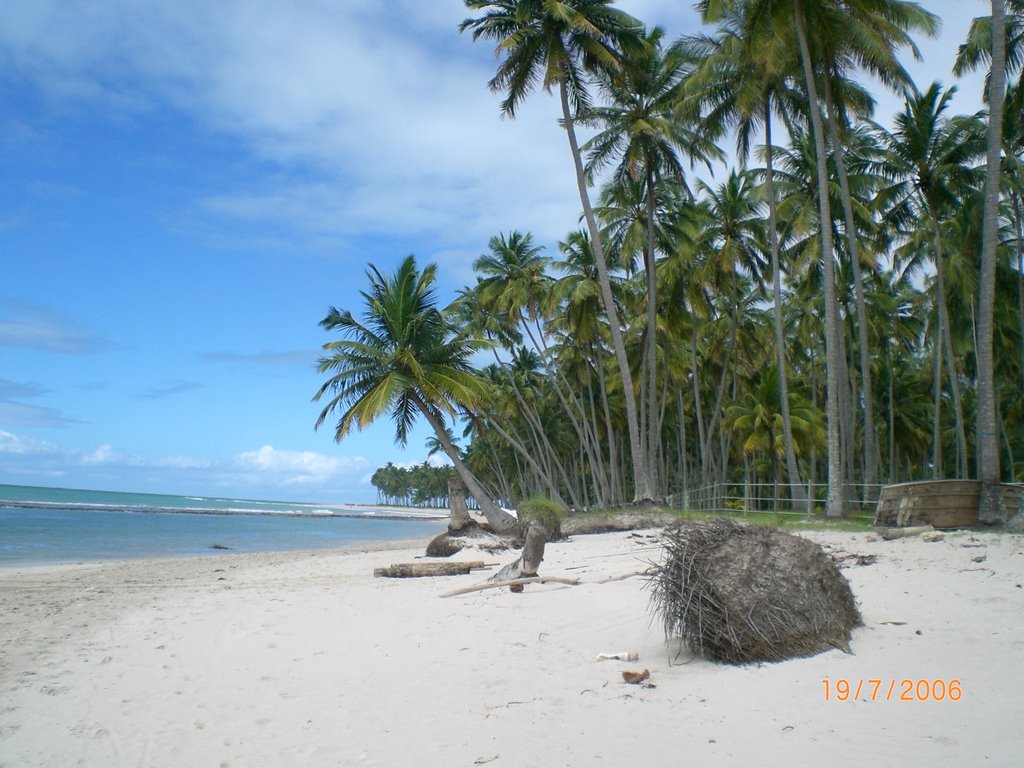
898	533
623	577
511	583
416	570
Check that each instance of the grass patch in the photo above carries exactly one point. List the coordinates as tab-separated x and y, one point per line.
542	510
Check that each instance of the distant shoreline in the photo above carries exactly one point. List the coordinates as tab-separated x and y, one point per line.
357	511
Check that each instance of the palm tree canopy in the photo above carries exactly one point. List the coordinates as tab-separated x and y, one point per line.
550	42
513	279
403	357
748	64
929	153
641	122
976	52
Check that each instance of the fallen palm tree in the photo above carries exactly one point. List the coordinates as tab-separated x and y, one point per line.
743	593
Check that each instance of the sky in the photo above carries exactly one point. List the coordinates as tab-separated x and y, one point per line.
187	187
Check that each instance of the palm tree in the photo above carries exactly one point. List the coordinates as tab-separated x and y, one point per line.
976	51
745	80
867	35
757	417
1013	176
559	42
990	507
643	131
514	285
513	282
836	476
929	160
998	39
864	33
405	358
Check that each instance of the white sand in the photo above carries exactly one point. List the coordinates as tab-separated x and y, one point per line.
307	660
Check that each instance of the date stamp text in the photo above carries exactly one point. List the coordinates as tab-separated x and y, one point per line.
880	689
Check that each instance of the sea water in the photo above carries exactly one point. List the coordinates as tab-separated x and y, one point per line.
60	525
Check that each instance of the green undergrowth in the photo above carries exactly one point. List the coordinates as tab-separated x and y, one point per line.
784	520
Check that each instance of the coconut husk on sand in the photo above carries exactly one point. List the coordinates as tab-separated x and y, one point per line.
743	593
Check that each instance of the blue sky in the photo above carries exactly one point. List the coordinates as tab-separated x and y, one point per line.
188	186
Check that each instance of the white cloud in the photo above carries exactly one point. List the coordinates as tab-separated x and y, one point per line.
368	125
266	472
307	468
13	444
103	454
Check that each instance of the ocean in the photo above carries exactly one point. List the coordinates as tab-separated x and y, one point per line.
42	526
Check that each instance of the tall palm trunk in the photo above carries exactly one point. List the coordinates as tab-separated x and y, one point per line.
653	433
698	409
615	494
1019	224
870	435
947	343
601	483
540	437
554	378
521	449
499	520
834	505
683	463
990	508
642	492
723	381
797	491
937	407
892	418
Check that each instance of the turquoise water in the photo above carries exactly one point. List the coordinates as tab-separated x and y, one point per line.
57	525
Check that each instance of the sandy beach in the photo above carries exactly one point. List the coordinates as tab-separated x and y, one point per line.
307	659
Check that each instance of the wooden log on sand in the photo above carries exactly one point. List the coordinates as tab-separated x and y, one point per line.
417	570
899	533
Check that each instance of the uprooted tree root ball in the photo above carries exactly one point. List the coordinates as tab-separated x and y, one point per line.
743	593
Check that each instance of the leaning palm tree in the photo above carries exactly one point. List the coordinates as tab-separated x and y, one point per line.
404	358
558	43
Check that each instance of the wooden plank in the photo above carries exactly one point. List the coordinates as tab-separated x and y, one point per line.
942	503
